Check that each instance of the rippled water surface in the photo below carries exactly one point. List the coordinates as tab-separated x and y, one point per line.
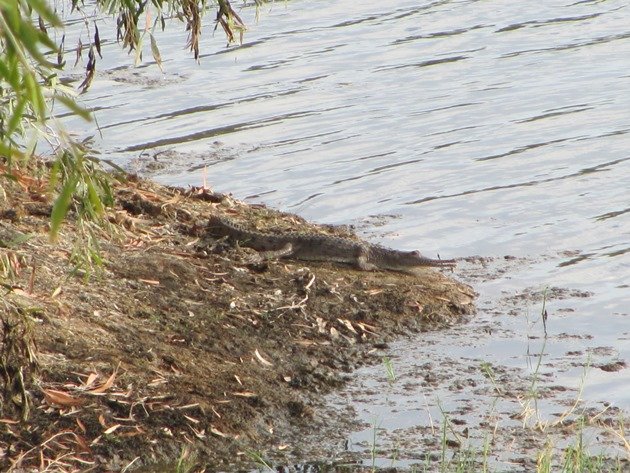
470	128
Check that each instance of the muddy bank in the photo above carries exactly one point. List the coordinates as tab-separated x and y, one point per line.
179	343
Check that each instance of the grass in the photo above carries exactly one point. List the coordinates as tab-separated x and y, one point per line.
186	461
373	448
389	369
260	460
18	356
86	254
488	372
578	430
573	458
530	406
569	443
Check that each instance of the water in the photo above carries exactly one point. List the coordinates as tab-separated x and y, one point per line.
462	127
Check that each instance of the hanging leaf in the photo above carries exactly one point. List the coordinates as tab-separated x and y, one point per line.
36	96
156	52
76	108
138	56
60	61
89	71
16	116
41	25
79	52
97	41
61	206
43	10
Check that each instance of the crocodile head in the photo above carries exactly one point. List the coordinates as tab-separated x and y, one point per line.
405	260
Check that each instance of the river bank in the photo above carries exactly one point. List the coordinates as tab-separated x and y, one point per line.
177	343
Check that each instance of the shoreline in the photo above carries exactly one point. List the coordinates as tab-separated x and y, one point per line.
178	343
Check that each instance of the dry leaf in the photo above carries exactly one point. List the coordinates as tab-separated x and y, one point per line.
367	328
321	325
81	425
348	324
156	52
91	378
20	292
111	429
152	282
188	406
82	443
191	419
105	386
61	398
216	431
245	394
261	359
9	421
373	292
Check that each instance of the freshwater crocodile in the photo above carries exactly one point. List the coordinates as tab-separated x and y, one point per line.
318	247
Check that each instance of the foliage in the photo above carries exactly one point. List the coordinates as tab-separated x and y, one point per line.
29	85
84	184
28	80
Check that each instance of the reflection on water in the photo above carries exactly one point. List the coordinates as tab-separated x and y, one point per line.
492	128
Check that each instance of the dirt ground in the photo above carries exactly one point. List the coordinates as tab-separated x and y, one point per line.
181	343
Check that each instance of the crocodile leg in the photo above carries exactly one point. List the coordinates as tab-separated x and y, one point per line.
362	262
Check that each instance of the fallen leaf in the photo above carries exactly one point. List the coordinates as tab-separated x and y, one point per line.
367	328
191	419
105	386
81	425
200	434
216	431
82	443
152	282
373	292
245	394
21	292
348	324
261	359
61	398
9	421
90	381
111	429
